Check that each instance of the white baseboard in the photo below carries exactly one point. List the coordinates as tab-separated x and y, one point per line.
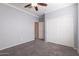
14	45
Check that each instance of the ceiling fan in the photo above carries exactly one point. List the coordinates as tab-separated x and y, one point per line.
35	5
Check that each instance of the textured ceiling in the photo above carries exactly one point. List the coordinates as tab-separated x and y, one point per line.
42	10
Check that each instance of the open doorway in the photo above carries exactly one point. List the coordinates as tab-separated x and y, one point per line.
36	30
39	30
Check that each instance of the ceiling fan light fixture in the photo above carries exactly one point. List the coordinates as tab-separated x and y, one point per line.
34	4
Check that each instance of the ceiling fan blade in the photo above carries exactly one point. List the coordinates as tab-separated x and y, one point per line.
36	8
42	4
27	5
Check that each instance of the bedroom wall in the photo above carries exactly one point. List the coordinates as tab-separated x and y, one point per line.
60	26
16	27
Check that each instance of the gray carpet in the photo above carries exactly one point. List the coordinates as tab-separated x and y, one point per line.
39	48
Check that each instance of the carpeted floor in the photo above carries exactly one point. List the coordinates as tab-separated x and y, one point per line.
39	48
